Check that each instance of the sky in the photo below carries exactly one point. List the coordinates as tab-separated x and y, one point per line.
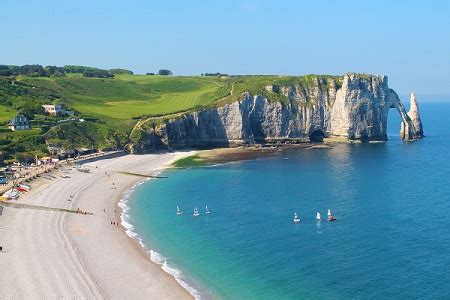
409	41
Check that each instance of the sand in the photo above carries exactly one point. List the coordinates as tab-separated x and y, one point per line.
51	254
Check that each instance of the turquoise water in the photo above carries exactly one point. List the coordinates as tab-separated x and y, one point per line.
391	239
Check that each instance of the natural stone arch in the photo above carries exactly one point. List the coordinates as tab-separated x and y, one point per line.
361	108
411	125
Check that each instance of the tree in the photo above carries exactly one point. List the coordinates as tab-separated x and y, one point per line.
215	74
97	73
32	70
165	72
5	71
55	71
120	71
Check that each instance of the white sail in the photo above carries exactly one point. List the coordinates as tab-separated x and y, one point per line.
318	217
329	212
195	214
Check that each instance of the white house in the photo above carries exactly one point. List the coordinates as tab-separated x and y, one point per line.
53	110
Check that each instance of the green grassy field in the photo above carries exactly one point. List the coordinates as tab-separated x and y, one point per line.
15	135
6	113
131	96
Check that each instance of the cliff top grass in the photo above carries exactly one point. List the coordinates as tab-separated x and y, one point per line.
130	96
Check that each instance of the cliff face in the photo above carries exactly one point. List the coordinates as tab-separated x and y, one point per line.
355	108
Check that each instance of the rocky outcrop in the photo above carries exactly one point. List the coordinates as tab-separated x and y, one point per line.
354	107
415	127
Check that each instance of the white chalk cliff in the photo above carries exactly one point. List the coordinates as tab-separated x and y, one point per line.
355	108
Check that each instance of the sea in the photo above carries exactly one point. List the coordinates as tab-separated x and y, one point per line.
391	238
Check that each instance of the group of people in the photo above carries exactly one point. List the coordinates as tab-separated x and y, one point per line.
115	223
79	211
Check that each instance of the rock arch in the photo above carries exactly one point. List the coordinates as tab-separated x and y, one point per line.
411	126
360	110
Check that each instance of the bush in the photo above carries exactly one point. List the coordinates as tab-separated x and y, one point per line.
120	71
165	72
97	73
215	74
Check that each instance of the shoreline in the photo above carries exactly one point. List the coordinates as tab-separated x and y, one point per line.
127	229
217	156
98	259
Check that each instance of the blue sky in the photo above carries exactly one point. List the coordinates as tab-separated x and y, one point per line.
407	40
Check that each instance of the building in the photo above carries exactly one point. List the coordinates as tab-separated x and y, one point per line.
53	110
3	180
19	122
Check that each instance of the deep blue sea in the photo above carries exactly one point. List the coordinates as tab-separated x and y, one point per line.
391	238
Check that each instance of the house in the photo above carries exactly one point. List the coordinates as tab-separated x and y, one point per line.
19	122
53	110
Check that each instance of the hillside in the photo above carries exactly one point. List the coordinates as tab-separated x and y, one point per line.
111	107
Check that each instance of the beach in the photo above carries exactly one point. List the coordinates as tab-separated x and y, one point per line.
53	254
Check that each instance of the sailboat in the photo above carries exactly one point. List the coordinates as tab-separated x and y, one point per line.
296	218
179	212
318	217
331	218
196	213
207	210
